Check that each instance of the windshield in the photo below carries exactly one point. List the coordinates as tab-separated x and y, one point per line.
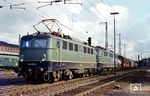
34	43
26	43
40	43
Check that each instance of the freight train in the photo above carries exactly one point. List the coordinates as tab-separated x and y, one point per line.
46	57
52	56
126	63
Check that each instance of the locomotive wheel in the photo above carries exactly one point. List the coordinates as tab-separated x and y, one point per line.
81	75
68	75
38	78
27	77
51	78
46	77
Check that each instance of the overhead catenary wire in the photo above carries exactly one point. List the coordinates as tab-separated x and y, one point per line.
86	8
20	24
111	25
89	11
35	8
67	11
100	13
48	17
98	19
11	4
97	10
7	2
33	11
124	28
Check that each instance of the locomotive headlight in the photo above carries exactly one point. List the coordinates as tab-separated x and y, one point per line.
43	57
41	69
21	58
16	64
30	70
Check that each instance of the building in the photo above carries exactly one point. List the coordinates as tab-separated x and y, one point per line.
8	49
8	55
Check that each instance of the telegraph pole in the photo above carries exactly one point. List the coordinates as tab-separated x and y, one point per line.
124	50
106	34
141	49
114	13
119	44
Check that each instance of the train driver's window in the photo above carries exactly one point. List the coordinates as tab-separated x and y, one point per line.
26	43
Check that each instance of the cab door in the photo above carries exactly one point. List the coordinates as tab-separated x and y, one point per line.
98	58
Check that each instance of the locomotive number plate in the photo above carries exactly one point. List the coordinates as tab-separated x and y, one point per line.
32	64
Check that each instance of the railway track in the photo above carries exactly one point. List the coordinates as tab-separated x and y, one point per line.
94	86
10	78
30	88
7	74
122	87
58	88
11	75
68	88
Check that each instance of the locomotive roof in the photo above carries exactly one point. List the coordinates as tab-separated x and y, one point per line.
36	35
122	57
48	35
99	47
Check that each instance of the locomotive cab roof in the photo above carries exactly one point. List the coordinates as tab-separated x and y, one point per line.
54	34
37	35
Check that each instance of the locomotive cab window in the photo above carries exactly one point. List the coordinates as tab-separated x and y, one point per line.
26	43
40	43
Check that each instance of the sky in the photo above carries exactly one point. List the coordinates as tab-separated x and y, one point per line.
82	19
